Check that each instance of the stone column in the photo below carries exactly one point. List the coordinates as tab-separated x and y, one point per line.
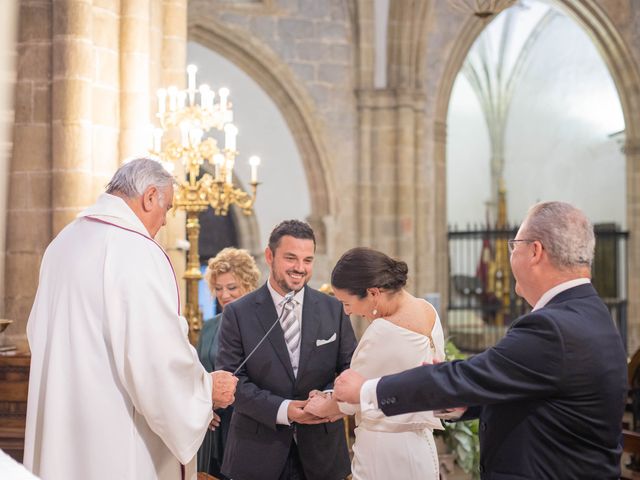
437	274
172	71
29	207
134	77
406	186
632	151
106	94
71	113
365	182
8	40
384	173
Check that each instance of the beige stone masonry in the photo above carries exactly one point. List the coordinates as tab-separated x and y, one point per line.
82	105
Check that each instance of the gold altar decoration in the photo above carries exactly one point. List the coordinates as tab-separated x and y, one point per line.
185	118
499	270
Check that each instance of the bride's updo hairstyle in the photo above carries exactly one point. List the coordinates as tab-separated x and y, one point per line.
361	268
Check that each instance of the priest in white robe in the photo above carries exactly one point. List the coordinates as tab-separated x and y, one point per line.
116	391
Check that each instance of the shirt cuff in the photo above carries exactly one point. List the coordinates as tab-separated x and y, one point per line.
283	417
368	396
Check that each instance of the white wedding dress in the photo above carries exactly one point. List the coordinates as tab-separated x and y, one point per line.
399	446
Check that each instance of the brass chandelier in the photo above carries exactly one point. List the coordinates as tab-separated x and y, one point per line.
185	117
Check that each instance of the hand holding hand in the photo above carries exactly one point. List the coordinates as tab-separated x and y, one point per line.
224	388
347	386
314	393
297	413
450	413
322	405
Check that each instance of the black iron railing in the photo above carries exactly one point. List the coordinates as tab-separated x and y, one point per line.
482	299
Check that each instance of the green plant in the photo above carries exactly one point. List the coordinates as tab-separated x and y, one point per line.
461	437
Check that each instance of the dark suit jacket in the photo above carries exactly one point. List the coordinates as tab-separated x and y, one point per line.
551	392
257	448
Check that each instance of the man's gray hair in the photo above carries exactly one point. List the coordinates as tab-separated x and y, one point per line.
135	176
564	231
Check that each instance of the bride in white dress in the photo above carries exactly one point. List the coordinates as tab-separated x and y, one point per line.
405	332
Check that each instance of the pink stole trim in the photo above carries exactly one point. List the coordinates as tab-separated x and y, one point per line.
182	468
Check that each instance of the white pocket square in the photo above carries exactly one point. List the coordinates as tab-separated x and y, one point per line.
321	342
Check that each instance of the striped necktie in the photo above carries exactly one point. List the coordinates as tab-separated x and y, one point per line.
291	329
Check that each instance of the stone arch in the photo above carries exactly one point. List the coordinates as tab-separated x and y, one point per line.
293	101
626	76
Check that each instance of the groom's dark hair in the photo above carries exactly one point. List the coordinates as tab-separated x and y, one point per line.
293	228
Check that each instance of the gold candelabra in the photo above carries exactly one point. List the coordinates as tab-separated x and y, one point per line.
185	117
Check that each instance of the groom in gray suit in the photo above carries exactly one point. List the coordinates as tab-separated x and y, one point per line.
271	436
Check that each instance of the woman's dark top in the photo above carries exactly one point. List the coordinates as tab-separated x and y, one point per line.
211	451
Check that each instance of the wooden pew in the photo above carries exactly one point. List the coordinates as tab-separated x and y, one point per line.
14	384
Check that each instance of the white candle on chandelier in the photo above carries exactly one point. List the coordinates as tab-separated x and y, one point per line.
218	161
157	140
162	100
210	99
229	170
223	93
173	98
184	134
149	135
254	161
182	99
195	136
205	91
191	85
230	132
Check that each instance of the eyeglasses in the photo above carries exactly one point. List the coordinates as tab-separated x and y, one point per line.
512	243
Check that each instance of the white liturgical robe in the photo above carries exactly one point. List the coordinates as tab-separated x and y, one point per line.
116	391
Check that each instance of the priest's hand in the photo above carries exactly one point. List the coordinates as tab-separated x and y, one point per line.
296	413
215	422
224	388
347	386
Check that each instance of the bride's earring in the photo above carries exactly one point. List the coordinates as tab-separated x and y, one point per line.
374	312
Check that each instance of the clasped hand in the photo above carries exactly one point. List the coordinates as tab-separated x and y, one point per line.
318	408
224	388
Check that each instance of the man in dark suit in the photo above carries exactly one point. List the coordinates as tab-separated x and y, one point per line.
550	395
271	436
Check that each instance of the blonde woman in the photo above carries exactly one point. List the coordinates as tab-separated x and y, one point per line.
231	274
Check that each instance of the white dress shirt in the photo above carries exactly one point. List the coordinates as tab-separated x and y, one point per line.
282	417
552	292
368	397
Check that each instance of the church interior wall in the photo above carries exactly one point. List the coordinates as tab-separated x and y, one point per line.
564	112
310	45
262	131
8	58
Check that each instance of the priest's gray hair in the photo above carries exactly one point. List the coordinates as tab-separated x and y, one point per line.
564	231
135	176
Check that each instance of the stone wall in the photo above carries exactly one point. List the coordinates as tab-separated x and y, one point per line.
8	60
84	77
310	75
